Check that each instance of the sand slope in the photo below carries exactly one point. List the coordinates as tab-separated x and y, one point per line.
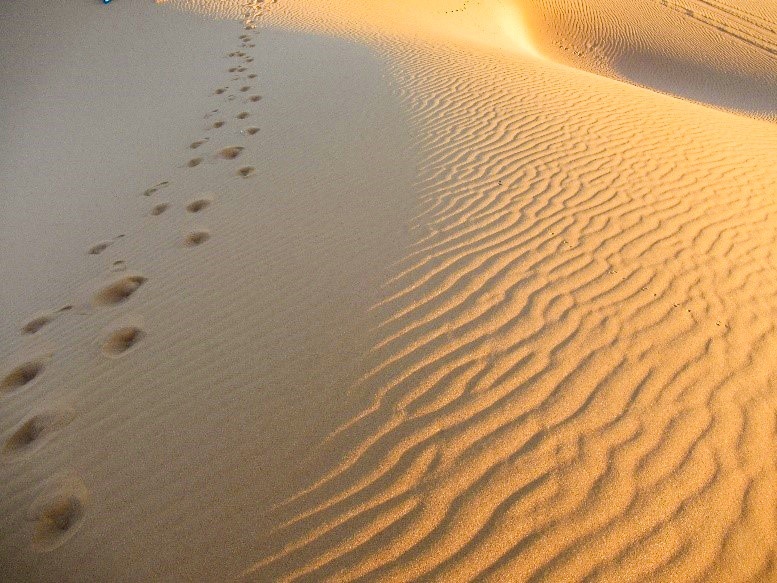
156	418
542	352
721	53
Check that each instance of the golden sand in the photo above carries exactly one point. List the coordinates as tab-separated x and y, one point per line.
490	294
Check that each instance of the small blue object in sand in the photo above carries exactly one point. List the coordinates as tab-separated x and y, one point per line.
106	1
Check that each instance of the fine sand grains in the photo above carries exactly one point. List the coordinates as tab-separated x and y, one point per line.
704	50
55	501
574	371
571	372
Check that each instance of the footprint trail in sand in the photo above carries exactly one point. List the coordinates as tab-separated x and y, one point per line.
61	505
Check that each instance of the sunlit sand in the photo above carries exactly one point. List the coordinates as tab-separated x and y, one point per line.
390	291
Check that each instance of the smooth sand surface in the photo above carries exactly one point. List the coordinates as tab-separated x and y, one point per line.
474	290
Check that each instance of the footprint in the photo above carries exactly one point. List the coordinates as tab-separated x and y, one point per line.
245	88
57	513
100	247
121	340
250	60
119	291
197	144
36	324
230	153
154	189
22	375
242	115
160	208
196	238
32	432
218	124
255	98
194	162
246	171
199	204
232	69
251	130
252	76
220	90
241	69
118	266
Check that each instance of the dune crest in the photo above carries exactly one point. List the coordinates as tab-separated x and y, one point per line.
705	51
718	52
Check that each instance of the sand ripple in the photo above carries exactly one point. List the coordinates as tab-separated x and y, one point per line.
574	380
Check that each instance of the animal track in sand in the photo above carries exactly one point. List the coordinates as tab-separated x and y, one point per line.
121	340
255	98
241	69
220	90
242	115
251	130
100	247
160	208
55	519
245	88
155	188
246	171
197	144
199	204
217	124
37	323
230	153
118	266
232	69
194	162
119	290
22	375
57	514
35	428
196	238
253	76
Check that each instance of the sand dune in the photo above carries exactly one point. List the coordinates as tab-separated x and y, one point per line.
482	305
564	379
718	53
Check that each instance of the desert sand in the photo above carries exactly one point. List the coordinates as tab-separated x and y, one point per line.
441	290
